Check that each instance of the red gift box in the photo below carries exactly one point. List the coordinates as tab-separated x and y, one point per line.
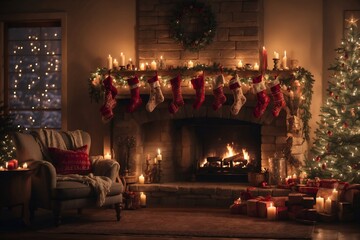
329	183
262	208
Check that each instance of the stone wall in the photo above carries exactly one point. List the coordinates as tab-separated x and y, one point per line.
239	33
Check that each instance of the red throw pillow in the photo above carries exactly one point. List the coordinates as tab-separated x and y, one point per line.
71	161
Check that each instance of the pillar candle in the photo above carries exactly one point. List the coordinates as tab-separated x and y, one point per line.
115	63
159	156
142	67
153	65
256	66
276	55
142	199
122	59
334	195
328	206
284	61
109	62
141	179
190	64
25	165
319	204
240	64
1	168
271	212
264	59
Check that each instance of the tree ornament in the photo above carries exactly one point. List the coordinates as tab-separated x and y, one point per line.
218	86
330	133
318	158
156	96
262	98
135	101
345	125
331	94
177	96
279	102
323	166
109	101
239	98
199	86
181	26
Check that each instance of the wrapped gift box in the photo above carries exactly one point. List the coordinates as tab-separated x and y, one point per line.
329	183
279	201
296	198
308	202
252	210
311	191
262	208
238	208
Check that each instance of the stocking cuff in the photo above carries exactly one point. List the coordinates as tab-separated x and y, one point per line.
154	84
234	83
153	79
133	81
175	81
219	81
275	82
259	87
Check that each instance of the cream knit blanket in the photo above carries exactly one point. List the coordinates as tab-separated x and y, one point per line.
100	184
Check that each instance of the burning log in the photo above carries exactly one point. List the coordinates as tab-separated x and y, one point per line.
236	158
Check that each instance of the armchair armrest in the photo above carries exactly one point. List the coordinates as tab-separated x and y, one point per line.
106	167
43	180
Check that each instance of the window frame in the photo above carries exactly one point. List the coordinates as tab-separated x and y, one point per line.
34	18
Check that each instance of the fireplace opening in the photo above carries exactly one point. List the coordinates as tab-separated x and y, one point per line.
203	149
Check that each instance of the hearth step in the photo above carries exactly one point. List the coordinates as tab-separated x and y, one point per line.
199	194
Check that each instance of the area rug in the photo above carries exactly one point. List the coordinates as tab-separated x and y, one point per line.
181	222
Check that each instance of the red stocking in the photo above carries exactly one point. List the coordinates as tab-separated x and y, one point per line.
110	102
156	96
279	102
135	101
199	86
177	97
218	92
262	98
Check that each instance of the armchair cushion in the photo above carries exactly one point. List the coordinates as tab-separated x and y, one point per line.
71	161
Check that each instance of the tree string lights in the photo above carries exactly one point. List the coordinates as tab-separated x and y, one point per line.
336	147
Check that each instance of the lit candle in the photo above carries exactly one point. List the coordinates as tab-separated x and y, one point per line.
319	204
294	176
264	59
161	63
1	168
276	55
122	59
237	201
107	155
284	61
115	63
240	64
109	62
334	195
159	156
141	179
142	67
142	199
190	64
25	165
271	212
155	160
328	205
256	67
6	165
153	65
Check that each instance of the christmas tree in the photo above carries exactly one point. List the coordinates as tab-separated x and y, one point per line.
336	147
7	126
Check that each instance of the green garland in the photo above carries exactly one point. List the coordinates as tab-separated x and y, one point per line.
303	77
205	20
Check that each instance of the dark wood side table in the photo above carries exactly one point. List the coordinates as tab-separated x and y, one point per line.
15	188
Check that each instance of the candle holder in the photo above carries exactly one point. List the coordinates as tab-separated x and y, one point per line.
159	171
122	67
248	66
276	62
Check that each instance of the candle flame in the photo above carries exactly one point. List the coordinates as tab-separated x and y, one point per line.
159	151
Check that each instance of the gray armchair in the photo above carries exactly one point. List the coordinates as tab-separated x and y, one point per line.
49	192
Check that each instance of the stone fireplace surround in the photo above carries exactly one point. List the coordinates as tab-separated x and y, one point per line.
156	130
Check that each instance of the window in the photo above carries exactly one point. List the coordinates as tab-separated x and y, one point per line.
33	73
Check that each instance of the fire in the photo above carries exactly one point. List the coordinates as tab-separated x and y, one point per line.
246	154
230	151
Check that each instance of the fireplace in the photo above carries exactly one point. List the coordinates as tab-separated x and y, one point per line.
190	137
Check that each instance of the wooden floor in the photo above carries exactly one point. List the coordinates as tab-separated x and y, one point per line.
13	229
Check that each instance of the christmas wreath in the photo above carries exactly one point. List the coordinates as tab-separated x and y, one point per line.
193	25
